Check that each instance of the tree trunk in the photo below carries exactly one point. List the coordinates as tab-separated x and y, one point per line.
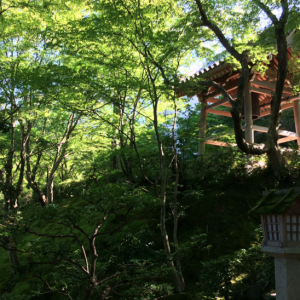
13	203
60	155
13	256
202	129
177	282
6	200
114	146
89	292
276	161
31	173
50	189
36	189
11	244
179	285
175	206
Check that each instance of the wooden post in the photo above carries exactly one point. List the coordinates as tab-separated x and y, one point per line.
249	132
202	129
296	107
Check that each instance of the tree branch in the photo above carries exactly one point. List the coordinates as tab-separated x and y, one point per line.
267	11
223	40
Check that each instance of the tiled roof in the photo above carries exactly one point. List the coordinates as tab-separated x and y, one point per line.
212	71
209	67
214	67
276	202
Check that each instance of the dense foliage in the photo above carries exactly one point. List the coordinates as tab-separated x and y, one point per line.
102	195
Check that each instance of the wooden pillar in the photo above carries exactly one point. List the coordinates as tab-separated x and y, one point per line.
296	107
249	132
202	130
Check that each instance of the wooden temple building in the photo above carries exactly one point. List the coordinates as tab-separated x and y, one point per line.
257	98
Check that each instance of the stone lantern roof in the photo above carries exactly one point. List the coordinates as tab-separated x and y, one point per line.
279	202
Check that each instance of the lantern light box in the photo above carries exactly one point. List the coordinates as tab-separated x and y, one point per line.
280	218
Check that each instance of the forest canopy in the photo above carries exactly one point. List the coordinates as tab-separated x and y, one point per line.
103	195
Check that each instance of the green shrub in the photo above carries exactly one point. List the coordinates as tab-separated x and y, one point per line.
70	188
230	276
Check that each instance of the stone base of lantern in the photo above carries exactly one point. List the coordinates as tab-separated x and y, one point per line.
287	271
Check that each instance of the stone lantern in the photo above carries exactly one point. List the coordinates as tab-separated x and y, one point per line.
280	217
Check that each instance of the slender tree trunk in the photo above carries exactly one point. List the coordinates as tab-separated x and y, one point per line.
9	197
177	282
175	206
31	172
11	244
13	255
9	188
163	173
114	146
50	189
202	129
6	201
36	189
89	291
61	154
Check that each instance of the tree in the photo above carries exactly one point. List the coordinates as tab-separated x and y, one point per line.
59	142
131	59
241	51
147	36
80	266
22	54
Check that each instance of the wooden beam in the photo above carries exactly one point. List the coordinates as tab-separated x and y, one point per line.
260	128
213	99
219	112
296	105
222	144
270	85
227	104
216	104
297	97
216	100
288	133
228	88
286	106
283	107
261	91
287	139
221	134
280	132
265	113
267	84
